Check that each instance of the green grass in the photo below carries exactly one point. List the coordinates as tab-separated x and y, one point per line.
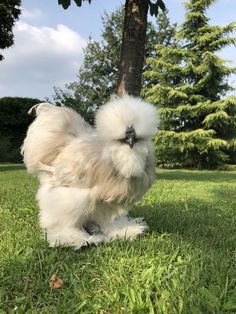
184	264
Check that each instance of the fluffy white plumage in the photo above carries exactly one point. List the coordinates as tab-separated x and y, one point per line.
90	176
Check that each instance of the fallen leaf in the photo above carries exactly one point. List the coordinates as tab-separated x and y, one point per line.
56	282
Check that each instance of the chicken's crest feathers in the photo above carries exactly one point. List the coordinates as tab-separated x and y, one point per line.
114	117
114	120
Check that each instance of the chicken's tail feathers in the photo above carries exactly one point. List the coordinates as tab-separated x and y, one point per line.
40	107
53	128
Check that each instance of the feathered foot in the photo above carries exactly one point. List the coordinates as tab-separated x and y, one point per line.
72	237
124	228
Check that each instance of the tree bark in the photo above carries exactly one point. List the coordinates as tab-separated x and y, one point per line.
132	49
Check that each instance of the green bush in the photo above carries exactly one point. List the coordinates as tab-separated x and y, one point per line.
14	122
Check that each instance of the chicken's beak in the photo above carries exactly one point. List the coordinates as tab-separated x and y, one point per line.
130	140
130	136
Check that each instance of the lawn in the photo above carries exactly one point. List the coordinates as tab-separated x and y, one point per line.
186	263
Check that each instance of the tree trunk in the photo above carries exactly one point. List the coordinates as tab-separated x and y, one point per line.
132	49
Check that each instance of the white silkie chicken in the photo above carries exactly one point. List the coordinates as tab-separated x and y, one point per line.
89	176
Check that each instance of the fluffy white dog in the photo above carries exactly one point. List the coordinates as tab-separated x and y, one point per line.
90	176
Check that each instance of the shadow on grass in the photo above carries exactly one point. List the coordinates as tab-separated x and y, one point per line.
194	175
203	223
12	167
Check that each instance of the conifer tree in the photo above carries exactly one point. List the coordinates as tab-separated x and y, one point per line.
189	83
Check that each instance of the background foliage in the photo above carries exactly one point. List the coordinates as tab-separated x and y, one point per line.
183	76
97	78
188	82
9	13
14	122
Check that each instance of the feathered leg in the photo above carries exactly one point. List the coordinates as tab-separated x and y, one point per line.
63	212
